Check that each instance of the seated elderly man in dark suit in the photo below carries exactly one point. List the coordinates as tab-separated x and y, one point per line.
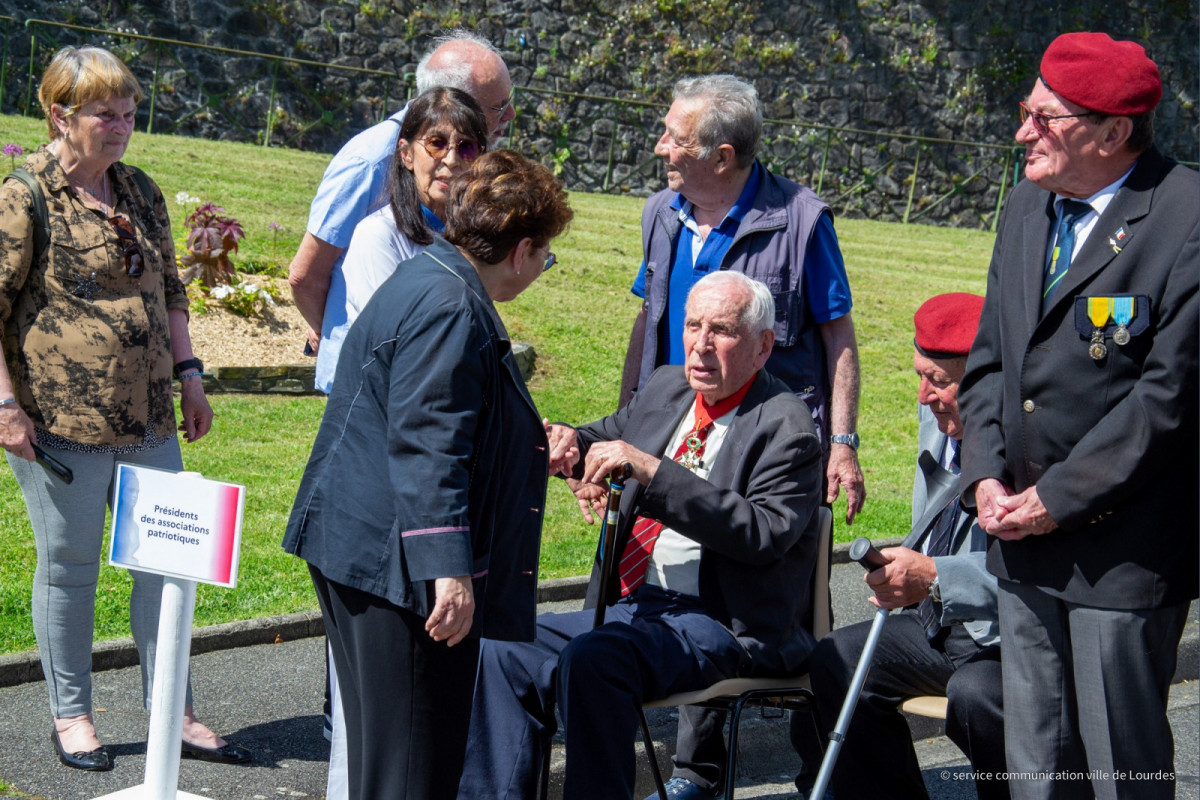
946	640
718	540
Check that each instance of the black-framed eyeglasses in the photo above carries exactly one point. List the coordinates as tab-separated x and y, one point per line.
1041	122
551	260
129	246
501	110
437	146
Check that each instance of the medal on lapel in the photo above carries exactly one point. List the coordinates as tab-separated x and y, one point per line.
1123	311
691	459
1099	310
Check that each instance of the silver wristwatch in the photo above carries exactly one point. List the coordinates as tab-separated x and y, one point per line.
935	590
845	438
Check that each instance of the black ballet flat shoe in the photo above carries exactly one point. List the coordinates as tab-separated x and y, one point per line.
225	754
92	760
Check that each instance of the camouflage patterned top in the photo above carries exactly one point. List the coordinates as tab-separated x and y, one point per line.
88	346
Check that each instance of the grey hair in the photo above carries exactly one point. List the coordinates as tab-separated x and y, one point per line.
729	114
456	75
758	314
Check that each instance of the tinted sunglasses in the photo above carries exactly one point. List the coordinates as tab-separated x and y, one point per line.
437	147
129	245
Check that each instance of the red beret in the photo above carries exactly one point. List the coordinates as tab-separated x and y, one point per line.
1100	74
946	324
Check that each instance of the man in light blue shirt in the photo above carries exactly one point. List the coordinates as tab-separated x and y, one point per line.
355	184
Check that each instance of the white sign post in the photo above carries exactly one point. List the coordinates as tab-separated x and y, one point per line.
187	529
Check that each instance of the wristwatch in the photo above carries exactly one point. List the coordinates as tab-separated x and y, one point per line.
191	363
845	438
935	590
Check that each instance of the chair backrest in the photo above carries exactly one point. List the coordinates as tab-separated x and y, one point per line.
822	615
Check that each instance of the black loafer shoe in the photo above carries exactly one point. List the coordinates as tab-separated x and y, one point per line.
225	754
92	760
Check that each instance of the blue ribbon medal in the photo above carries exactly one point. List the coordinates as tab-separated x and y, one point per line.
1123	312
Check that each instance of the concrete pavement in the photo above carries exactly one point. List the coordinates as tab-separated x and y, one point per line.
260	683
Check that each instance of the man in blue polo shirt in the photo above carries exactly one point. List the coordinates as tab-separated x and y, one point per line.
724	210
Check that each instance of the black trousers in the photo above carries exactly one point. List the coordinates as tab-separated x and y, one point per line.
877	759
406	698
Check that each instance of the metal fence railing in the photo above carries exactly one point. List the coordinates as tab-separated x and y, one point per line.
597	143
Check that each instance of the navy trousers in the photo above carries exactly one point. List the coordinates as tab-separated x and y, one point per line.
652	644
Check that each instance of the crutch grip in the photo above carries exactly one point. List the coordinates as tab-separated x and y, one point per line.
866	554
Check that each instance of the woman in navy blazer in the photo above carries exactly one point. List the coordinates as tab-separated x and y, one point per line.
420	510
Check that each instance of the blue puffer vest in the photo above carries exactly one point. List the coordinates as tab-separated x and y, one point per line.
769	246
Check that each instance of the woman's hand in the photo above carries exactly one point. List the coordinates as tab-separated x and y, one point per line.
197	413
564	447
453	610
16	432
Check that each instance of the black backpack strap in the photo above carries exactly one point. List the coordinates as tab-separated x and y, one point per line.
144	205
143	184
41	222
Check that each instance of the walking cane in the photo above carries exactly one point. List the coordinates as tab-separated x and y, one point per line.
862	551
608	556
608	544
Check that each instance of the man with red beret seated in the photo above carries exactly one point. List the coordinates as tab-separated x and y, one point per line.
1080	405
945	641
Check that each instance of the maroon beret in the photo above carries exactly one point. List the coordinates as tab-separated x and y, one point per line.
1101	74
946	324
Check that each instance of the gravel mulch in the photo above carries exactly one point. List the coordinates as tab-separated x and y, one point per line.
221	338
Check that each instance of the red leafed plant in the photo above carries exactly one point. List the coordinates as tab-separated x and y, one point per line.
212	237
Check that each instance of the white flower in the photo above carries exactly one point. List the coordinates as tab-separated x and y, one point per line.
221	292
249	288
181	198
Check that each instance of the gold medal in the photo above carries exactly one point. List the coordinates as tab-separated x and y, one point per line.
1098	309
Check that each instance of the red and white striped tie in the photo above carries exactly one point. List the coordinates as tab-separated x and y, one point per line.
635	558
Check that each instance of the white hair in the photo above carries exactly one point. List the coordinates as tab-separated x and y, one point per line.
758	313
456	75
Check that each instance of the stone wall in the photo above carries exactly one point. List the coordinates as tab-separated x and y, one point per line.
888	70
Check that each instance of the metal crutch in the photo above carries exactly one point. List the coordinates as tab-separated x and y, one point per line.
862	551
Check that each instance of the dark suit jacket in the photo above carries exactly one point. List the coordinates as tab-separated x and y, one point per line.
431	458
755	517
1111	444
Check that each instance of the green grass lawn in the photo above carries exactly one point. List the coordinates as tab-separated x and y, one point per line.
577	317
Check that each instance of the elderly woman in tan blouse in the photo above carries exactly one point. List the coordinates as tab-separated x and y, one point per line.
94	331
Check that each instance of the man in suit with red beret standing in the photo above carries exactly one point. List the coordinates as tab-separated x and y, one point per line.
1080	405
